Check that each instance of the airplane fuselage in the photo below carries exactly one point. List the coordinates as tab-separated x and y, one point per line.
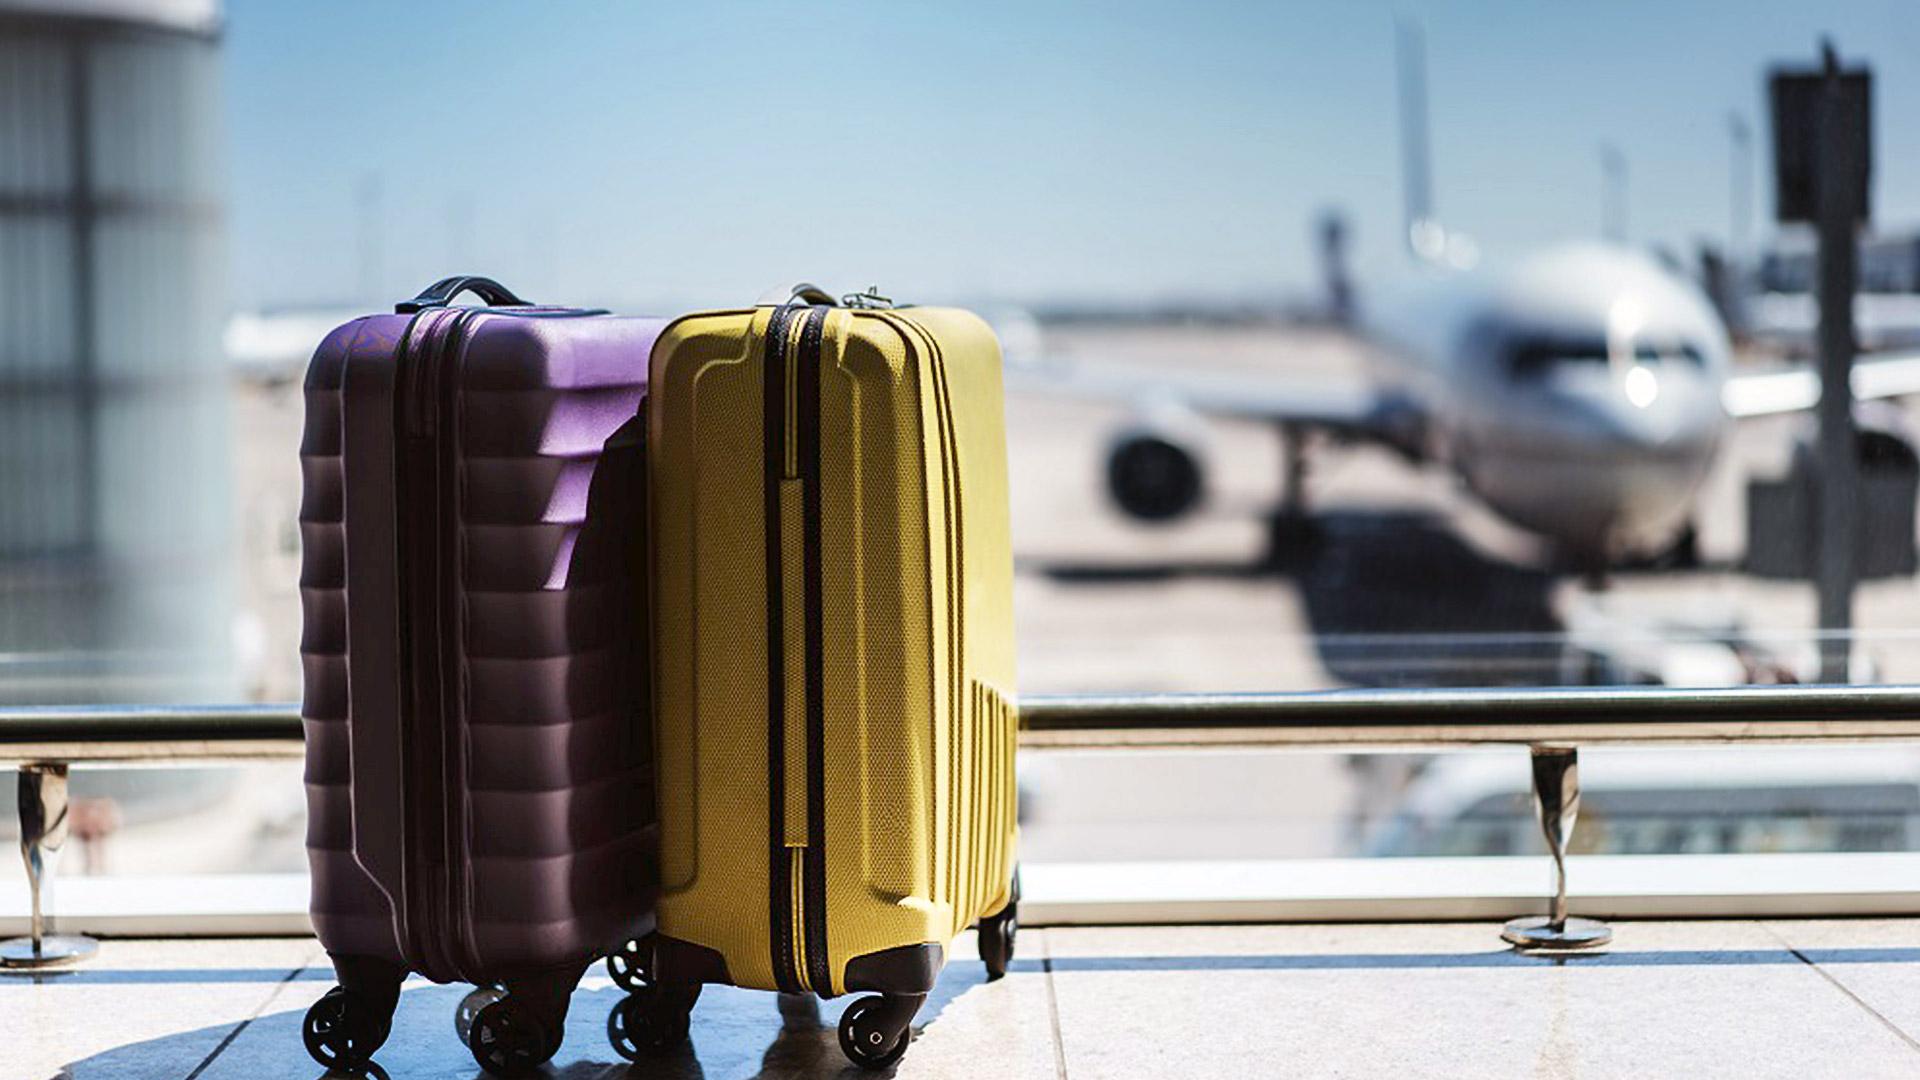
1577	392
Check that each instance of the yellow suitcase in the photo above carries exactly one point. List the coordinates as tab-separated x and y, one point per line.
833	627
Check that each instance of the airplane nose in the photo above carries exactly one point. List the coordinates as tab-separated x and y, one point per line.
1601	456
1660	410
1664	428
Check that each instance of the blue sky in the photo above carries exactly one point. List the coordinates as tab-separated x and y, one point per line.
638	154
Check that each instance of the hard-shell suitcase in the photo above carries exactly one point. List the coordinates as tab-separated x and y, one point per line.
833	635
478	753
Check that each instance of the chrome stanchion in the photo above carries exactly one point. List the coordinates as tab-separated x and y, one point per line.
1556	797
43	832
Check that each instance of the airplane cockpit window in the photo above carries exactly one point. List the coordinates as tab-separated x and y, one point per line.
1530	357
1533	356
1683	353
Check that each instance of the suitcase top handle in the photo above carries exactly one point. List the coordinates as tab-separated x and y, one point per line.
806	292
442	292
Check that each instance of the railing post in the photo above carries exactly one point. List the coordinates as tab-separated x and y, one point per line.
1556	799
43	832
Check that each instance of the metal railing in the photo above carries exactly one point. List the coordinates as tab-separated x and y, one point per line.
1554	722
1581	716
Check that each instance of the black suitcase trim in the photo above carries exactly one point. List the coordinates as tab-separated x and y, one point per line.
774	438
903	969
814	865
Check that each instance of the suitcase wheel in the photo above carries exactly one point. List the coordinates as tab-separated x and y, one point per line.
508	1039
875	1031
997	933
627	966
343	1029
653	1021
470	1007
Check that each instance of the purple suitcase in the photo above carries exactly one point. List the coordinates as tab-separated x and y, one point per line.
479	776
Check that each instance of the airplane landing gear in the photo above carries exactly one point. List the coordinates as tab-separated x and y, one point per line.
1683	553
1291	531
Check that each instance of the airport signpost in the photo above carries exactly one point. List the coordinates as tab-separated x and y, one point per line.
1822	162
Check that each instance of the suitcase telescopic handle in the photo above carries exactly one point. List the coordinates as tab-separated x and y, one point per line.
442	292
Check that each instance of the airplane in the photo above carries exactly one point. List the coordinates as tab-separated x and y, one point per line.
1581	391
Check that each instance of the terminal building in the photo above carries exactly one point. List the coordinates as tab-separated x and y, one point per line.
115	543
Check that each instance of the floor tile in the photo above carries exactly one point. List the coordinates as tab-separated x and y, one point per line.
1875	960
1690	1000
1693	1000
140	1010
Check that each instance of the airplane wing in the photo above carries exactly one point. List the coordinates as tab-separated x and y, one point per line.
1347	406
1883	375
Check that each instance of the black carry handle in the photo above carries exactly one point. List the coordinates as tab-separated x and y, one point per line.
441	292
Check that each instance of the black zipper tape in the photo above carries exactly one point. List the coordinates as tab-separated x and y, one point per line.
447	637
420	493
773	424
815	863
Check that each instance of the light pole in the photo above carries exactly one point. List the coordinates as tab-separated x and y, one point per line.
1740	193
1613	196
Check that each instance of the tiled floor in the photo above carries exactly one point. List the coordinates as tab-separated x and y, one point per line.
1710	999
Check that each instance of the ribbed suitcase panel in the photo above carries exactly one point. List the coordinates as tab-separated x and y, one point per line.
350	912
553	423
555	800
513	756
560	840
540	823
497	489
529	911
550	690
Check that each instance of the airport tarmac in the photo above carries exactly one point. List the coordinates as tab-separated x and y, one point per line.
1412	583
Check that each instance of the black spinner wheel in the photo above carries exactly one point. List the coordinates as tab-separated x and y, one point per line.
627	966
997	933
652	1021
470	1007
869	1038
507	1039
343	1029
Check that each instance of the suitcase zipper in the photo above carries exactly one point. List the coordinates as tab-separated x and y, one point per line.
426	487
818	974
782	879
798	873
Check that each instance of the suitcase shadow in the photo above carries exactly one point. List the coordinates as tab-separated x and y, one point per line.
735	1033
731	1031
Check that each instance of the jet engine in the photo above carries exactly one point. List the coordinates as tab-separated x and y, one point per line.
1154	470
